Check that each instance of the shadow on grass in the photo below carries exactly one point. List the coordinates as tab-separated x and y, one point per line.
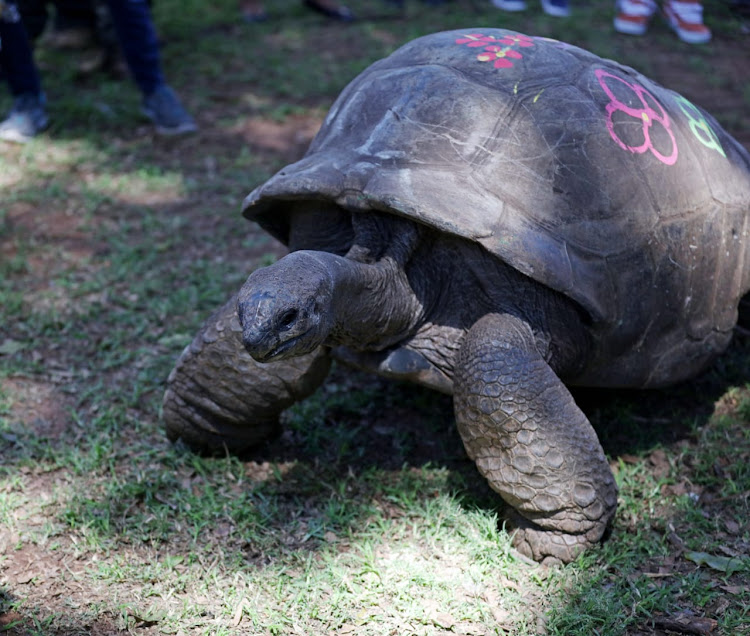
364	451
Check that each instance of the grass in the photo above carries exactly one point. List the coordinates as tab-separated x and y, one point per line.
365	517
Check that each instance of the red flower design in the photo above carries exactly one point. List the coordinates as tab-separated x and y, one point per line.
518	39
476	39
499	51
499	55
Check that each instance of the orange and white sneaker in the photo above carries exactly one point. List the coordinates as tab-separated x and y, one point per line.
686	19
633	16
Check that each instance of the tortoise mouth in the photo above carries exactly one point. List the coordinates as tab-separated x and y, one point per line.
286	349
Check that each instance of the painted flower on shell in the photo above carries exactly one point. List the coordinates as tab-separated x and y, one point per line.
518	39
499	55
476	39
500	51
643	111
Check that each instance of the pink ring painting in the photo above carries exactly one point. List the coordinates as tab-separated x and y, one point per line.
649	114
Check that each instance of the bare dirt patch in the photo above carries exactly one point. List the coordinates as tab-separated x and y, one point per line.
38	405
289	138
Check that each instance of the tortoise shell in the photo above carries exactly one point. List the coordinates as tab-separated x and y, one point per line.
575	170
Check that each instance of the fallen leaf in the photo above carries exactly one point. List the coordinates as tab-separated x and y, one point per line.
9	347
630	459
141	622
238	611
444	620
729	565
698	626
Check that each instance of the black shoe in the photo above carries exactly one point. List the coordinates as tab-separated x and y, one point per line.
341	13
165	110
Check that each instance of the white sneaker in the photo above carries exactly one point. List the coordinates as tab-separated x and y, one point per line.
556	8
633	16
509	5
686	19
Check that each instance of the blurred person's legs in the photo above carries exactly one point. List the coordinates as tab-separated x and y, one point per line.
254	11
686	19
34	14
28	115
140	47
556	8
633	16
510	5
74	24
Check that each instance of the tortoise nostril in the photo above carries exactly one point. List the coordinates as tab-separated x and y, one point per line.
287	319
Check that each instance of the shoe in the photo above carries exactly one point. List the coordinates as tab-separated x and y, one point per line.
26	119
509	5
556	8
633	16
165	110
686	19
341	13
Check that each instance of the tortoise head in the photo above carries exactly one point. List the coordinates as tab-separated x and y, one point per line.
285	309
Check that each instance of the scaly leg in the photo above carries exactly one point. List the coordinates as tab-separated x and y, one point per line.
531	441
217	396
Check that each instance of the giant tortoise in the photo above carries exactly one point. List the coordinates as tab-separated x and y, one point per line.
495	216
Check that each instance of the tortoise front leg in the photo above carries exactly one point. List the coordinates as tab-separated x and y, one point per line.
219	397
530	440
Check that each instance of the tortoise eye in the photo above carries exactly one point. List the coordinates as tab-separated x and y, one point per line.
287	319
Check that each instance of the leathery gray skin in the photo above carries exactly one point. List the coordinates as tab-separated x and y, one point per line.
500	349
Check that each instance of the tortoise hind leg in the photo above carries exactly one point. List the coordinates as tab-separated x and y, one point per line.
529	439
218	397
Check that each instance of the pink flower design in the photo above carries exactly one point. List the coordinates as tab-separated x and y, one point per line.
499	55
517	38
476	39
650	113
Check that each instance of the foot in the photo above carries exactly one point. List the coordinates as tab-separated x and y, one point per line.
634	16
219	398
685	17
531	442
164	108
509	5
27	118
330	9
556	8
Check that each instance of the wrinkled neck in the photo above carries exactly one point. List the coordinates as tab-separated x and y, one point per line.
373	304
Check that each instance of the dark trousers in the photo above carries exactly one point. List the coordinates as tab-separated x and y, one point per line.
140	46
16	61
132	23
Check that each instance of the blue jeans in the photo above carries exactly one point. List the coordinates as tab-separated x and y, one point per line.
16	60
140	46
